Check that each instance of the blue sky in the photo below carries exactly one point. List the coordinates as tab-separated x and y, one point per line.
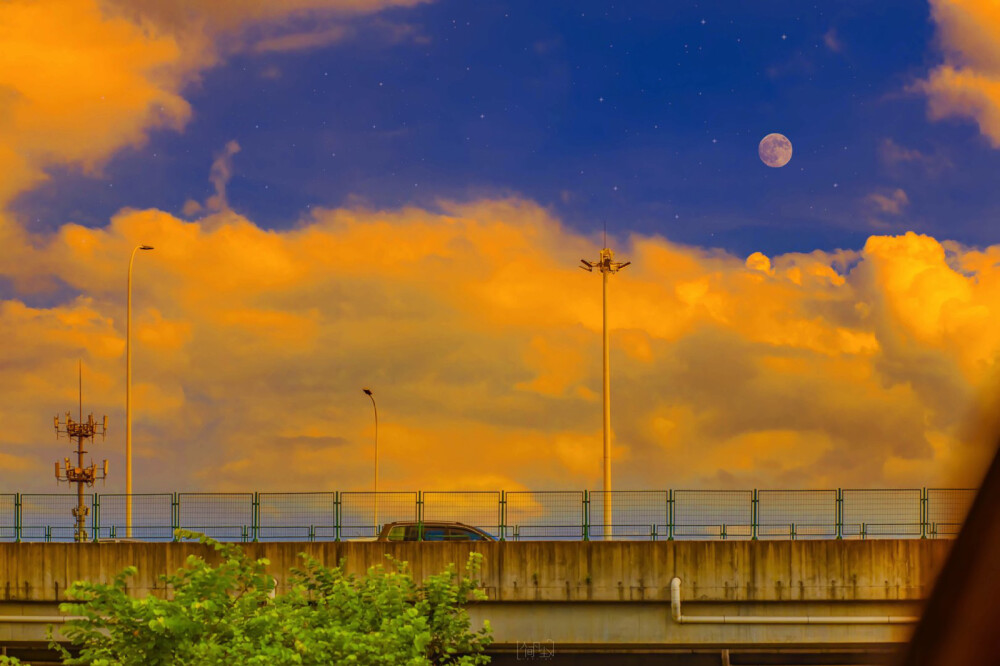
645	116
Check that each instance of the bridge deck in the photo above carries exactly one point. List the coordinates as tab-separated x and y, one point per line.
579	597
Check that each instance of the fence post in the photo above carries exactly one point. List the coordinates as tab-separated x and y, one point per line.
17	517
336	515
839	513
175	515
95	522
924	512
503	515
420	515
753	516
255	516
586	515
670	515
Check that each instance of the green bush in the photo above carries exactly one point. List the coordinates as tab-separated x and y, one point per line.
230	614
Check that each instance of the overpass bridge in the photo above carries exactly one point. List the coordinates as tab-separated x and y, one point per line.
835	601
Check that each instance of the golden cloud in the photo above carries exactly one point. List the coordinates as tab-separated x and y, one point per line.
478	334
80	79
891	203
481	340
967	84
301	41
76	85
224	16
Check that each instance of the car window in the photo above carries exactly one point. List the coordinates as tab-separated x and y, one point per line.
397	533
462	534
435	533
411	533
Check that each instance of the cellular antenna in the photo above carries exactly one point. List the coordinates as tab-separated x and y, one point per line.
80	430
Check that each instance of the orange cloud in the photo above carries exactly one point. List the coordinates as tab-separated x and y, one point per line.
80	79
75	85
832	41
473	325
481	340
224	16
967	84
222	171
301	41
891	203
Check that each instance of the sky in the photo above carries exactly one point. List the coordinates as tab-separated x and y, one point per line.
395	194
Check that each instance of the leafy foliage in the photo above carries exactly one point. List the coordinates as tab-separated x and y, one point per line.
230	614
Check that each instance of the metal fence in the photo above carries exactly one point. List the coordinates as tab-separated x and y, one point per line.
635	514
546	515
360	514
713	514
513	516
796	514
152	517
296	516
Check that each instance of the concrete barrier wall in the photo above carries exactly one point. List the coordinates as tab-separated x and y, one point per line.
717	571
649	625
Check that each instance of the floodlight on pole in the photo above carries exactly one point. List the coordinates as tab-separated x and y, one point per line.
368	392
608	266
128	394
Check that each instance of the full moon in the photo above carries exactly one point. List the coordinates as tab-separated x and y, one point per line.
775	150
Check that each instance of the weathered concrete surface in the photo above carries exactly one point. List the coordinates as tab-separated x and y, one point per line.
589	596
615	626
648	624
721	571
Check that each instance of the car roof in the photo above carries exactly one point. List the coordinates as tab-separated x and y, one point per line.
388	527
450	523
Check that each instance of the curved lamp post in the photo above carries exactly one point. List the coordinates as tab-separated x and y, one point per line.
368	392
128	395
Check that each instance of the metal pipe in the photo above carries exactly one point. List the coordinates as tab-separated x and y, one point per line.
680	618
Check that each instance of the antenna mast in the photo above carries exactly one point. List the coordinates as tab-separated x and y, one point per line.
81	430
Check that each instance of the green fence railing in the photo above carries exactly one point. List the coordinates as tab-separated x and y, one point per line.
516	515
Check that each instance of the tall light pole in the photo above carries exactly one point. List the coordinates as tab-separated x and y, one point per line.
607	265
128	395
368	392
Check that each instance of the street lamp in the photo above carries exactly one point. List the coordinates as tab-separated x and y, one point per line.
368	392
607	266
128	395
